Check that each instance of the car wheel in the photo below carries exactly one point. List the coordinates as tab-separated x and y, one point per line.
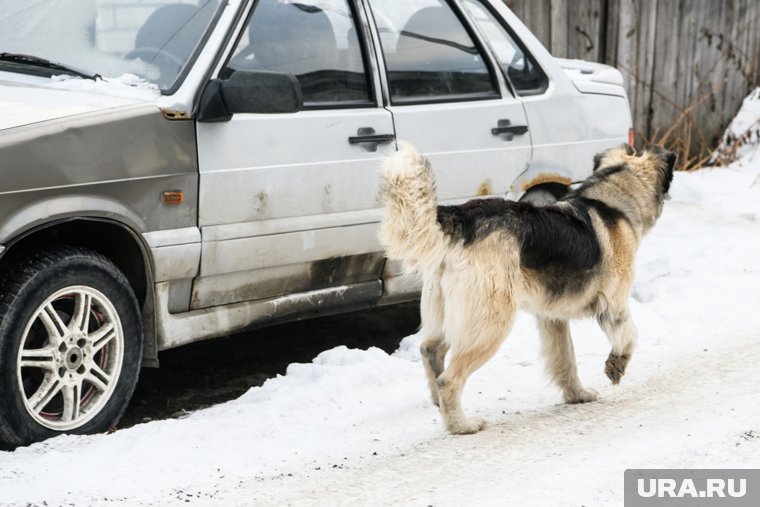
70	345
544	195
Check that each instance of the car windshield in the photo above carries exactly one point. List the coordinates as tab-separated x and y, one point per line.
153	39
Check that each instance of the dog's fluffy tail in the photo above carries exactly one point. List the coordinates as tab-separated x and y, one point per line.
409	230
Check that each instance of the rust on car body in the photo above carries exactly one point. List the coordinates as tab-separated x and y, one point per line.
543	178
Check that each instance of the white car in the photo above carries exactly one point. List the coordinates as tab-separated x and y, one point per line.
176	171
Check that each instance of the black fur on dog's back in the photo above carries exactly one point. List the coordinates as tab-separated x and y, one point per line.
558	242
552	236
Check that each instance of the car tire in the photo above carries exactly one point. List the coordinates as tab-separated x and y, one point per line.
70	345
544	195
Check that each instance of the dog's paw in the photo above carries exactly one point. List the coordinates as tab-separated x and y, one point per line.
615	365
467	426
582	396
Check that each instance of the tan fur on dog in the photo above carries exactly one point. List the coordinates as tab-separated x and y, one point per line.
483	261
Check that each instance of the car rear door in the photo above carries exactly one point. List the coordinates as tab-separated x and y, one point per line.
289	203
447	99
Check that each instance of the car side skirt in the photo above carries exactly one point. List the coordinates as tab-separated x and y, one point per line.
178	329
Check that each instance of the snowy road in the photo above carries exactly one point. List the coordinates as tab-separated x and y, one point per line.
684	416
356	427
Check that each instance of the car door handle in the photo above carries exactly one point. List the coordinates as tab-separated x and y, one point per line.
372	138
506	127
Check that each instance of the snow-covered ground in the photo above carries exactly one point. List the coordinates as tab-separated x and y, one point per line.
356	427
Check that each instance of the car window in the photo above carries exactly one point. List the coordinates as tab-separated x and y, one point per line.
314	40
154	40
429	55
518	65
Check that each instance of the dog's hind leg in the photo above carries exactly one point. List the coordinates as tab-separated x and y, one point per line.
434	346
621	332
475	328
558	352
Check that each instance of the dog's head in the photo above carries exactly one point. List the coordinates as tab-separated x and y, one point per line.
646	176
655	165
613	156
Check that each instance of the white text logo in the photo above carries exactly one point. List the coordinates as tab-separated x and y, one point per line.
669	488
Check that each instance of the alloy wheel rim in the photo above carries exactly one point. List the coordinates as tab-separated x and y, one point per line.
70	358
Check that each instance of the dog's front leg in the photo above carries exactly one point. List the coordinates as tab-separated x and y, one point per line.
558	352
621	332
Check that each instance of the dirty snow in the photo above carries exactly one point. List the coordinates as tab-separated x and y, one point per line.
356	427
743	133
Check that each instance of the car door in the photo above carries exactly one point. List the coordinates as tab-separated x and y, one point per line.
289	203
447	99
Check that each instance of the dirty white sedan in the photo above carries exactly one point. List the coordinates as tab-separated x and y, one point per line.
175	171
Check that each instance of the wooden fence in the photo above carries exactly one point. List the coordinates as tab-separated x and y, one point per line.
687	63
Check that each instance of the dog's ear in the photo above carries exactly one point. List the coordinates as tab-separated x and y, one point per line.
628	149
597	161
659	150
667	157
669	160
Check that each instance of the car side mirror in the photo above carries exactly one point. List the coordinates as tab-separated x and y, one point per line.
250	92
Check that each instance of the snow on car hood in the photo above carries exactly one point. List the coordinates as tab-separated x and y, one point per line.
590	77
25	100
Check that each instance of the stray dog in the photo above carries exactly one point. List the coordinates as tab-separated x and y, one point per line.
483	260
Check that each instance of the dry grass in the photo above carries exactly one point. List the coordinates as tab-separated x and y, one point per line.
686	135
